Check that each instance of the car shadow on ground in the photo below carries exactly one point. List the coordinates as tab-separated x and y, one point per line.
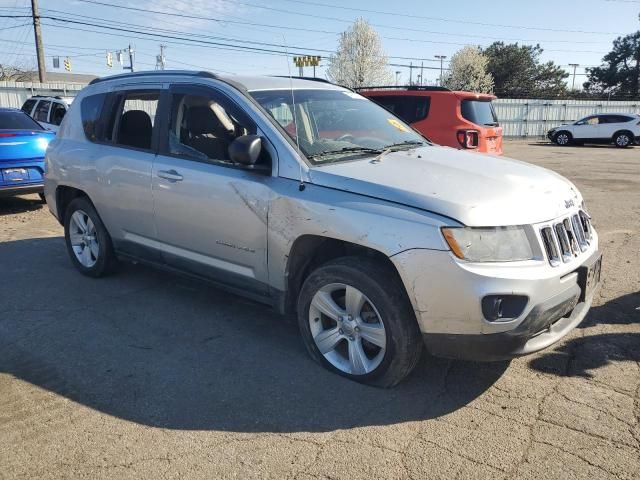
167	352
13	205
581	355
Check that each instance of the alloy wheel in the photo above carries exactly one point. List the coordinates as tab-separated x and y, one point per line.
562	139
622	140
84	239
347	329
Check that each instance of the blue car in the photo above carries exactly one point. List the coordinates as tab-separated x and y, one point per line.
22	145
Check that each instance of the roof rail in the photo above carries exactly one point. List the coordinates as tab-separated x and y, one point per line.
313	79
154	73
407	87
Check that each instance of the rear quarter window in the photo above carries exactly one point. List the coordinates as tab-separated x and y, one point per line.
410	108
91	112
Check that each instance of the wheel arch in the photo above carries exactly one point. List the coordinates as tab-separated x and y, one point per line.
310	251
64	196
623	130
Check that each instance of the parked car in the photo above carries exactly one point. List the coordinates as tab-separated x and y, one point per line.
47	111
308	197
621	129
22	145
462	120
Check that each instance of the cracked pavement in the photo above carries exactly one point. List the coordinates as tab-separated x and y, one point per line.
148	375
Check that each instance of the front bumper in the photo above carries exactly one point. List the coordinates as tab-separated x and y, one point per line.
447	295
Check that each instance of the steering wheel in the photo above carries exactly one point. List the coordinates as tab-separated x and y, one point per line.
347	137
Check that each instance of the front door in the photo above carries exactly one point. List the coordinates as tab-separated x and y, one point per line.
210	215
587	128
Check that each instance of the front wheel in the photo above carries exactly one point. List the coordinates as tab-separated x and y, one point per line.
563	138
622	140
88	242
356	320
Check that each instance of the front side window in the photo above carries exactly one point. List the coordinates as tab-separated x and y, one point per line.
334	125
410	108
480	112
203	125
42	111
589	121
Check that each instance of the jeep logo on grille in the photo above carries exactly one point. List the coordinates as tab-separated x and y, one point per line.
569	203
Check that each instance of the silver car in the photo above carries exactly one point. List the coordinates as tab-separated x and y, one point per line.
310	198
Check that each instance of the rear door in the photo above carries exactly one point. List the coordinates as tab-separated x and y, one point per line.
125	146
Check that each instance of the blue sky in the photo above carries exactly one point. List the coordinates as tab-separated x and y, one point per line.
575	31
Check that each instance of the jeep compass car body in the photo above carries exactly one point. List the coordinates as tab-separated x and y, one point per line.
307	196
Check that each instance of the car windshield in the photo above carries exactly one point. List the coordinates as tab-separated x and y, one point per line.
335	125
18	121
480	112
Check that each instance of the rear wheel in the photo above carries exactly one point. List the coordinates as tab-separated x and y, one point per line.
622	139
563	138
88	242
356	320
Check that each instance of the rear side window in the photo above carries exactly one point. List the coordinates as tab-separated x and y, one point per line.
57	113
42	111
132	119
91	111
479	112
615	119
28	106
411	109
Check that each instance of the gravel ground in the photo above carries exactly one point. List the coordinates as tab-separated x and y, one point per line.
148	375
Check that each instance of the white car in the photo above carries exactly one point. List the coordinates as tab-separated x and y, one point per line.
47	111
621	129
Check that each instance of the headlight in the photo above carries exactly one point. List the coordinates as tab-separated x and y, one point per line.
496	244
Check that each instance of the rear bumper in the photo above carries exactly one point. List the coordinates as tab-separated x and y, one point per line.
12	190
32	183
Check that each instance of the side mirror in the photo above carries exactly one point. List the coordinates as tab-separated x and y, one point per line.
245	150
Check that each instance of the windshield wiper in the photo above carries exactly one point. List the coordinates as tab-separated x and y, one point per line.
407	143
346	150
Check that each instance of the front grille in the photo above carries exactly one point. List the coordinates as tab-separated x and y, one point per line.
567	238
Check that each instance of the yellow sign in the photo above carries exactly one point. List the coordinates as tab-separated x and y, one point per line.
397	124
307	61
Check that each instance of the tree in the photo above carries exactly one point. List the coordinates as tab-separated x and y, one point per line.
468	71
15	73
620	72
517	71
360	60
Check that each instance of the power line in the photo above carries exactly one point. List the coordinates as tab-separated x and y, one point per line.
289	27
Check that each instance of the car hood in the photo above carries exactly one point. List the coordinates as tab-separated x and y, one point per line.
474	189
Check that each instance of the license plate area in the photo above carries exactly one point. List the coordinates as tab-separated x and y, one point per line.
15	174
589	277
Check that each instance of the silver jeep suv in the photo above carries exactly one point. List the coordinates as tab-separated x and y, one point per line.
312	199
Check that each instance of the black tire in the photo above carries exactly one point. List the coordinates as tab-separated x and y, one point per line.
563	138
377	282
623	139
42	198
106	261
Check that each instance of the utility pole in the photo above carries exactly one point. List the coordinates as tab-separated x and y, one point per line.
410	73
161	59
397	78
574	65
35	14
421	73
441	58
130	67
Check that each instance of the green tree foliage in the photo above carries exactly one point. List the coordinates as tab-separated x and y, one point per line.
620	72
468	71
518	72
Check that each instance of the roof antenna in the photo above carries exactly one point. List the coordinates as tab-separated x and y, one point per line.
302	186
